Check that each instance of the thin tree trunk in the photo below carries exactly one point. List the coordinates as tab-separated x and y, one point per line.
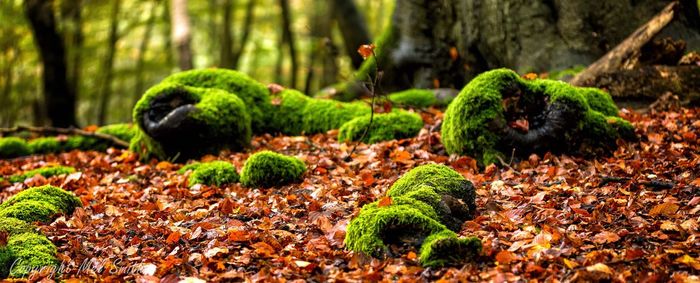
353	28
59	96
247	28
167	34
181	33
289	36
143	47
7	88
213	7
226	54
108	67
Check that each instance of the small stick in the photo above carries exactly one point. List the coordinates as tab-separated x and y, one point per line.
64	131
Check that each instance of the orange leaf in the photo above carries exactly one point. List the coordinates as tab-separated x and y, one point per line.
505	257
605	237
454	54
91	128
238	236
411	256
665	208
385	201
366	50
173	238
530	76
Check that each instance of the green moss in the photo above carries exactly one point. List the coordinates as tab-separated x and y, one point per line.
55	197
321	115
417	98
287	116
30	211
13	226
427	203
445	248
268	169
254	94
32	252
214	173
44	171
189	167
7	258
386	126
123	132
45	145
467	124
220	121
12	147
368	232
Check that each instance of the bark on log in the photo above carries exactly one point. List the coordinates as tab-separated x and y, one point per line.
650	82
622	56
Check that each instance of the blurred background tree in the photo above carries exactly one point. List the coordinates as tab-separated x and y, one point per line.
113	50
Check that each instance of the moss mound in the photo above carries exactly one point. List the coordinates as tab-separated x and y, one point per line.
26	250
254	95
44	171
486	118
31	252
426	205
188	121
63	200
212	173
12	147
268	169
386	126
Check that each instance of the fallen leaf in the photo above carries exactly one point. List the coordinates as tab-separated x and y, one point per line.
666	209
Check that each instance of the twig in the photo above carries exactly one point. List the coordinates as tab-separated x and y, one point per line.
64	131
655	184
373	82
610	179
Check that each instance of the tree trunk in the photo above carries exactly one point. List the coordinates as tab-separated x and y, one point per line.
445	43
73	17
247	28
108	65
353	28
181	33
226	54
59	96
143	47
289	39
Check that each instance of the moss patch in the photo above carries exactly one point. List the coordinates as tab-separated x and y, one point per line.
213	173
385	126
12	147
417	98
268	169
30	211
13	226
45	145
561	118
123	132
426	204
44	171
32	252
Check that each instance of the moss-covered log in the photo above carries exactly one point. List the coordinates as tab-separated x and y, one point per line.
425	207
203	111
499	112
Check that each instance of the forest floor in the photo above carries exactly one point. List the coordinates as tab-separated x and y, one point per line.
631	216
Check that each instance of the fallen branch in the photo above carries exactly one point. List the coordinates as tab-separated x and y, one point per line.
64	131
628	49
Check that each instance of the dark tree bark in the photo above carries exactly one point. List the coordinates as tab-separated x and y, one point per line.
445	43
143	47
59	96
72	11
288	36
108	64
323	66
353	28
181	33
